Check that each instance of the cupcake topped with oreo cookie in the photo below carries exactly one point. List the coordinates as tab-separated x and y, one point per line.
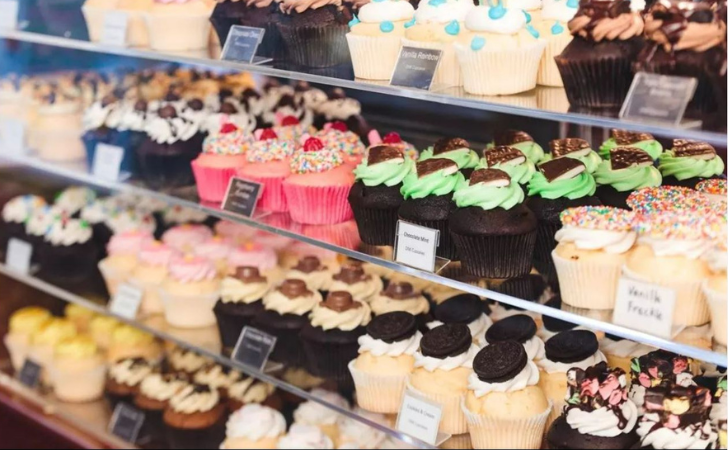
520	328
466	309
551	325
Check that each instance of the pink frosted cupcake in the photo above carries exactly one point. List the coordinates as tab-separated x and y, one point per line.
254	255
395	140
338	135
217	250
186	237
269	164
190	291
123	250
317	190
222	155
289	128
154	257
238	233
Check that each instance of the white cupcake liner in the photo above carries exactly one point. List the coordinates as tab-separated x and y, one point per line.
718	313
448	72
586	284
378	393
494	432
691	308
373	57
552	99
18	347
113	277
189	311
95	17
453	420
548	73
137	34
176	32
459	442
78	386
151	301
498	72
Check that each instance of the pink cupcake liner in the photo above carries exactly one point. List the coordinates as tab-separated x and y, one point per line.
212	182
318	205
273	198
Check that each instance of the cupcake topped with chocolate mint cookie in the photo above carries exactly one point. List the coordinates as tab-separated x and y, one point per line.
455	149
353	279
574	148
510	160
520	140
562	178
624	138
688	162
519	328
627	169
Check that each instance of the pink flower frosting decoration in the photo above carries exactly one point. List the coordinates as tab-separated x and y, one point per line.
191	269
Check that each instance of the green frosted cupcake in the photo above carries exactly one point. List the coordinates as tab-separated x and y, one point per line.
519	140
688	163
511	161
627	169
623	138
574	148
454	149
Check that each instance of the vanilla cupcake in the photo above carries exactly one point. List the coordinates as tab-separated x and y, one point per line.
620	352
102	329
716	291
217	377
356	434
186	362
319	416
520	328
301	437
553	27
463	308
190	291
352	278
150	272
23	324
254	426
179	26
129	342
123	250
78	373
43	342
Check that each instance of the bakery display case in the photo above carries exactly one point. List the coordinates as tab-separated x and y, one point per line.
296	253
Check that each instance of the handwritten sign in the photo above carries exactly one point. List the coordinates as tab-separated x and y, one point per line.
242	43
416	67
242	197
658	98
645	307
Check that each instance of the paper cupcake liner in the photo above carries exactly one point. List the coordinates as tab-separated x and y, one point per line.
453	419
94	21
601	82
494	432
316	46
78	386
587	284
373	57
459	442
548	72
112	276
151	301
691	308
342	234
189	311
504	256
318	205
137	34
273	198
378	393
718	313
494	72
18	350
545	244
174	32
376	226
448	72
330	360
212	182
59	146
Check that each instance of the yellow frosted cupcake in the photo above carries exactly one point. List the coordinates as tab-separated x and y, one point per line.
102	329
130	342
180	25
80	316
79	371
43	342
23	324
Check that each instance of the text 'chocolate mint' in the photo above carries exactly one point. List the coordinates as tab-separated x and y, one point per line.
381	153
626	157
503	154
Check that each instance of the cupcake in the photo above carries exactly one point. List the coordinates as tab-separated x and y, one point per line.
254	254
153	396
72	200
313	272
357	434
498	39
620	352
191	17
230	113
493	231
217	377
123	251
715	290
714	188
56	131
598	413
594	244
68	252
16	213
223	153
249	391
504	406
184	238
596	67
318	173
466	309
519	328
520	140
575	148
80	316
624	138
454	149
254	426
305	437
173	216
442	366
258	14
428	192
553	27
186	362
38	224
687	163
323	418
401	296
195	418
97	214
190	291
352	279
79	371
330	339
238	233
337	135
100	122
124	378
511	161
655	369
375	197
375	37
718	413
385	361
23	324
43	341
553	326
129	342
150	272
101	328
627	169
216	250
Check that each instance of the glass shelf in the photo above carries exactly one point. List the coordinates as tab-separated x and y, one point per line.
546	103
343	239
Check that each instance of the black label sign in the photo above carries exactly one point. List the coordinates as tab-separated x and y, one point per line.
242	196
254	348
30	374
416	67
242	43
126	422
658	98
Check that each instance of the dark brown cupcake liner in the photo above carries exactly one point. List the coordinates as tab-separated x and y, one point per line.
316	46
231	319
376	226
599	83
504	256
545	244
206	438
288	349
331	360
612	197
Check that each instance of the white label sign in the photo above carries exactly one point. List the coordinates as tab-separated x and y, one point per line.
126	301
419	418
12	135
416	246
107	161
9	14
115	28
18	256
645	307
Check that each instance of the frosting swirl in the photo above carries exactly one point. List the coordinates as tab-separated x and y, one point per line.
195	399
614	242
378	347
629	179
488	197
582	185
529	376
300	306
255	422
347	320
598	20
447	364
684	167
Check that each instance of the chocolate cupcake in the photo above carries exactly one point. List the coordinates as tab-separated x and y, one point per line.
455	149
656	369
15	214
316	275
68	253
375	197
124	378
241	299
575	148
596	66
250	13
519	328
511	161
688	163
152	398
402	296
520	140
353	279
624	138
466	309
628	169
493	231
195	418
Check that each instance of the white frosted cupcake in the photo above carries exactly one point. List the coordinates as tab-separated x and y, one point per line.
254	426
325	419
352	279
356	434
305	437
716	291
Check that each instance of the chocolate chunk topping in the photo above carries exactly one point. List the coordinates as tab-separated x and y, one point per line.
510	137
382	153
351	273
340	301
626	157
270	84
463	308
392	327
196	104
167	112
445	145
228	108
249	274
172	97
519	328
432	165
201	389
561	169
337	94
451	339
294	288
563	147
571	346
683	148
500	362
287	100
503	154
624	137
490	177
690	404
400	291
309	264
141	106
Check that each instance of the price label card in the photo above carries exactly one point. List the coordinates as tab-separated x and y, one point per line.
115	28
12	135
416	67
18	255
416	246
242	197
126	301
242	43
419	418
645	307
30	374
126	422
9	14
253	348
658	98
107	161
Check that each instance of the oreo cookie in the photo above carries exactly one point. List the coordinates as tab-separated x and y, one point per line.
519	328
451	339
392	327
552	323
463	308
500	362
571	346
